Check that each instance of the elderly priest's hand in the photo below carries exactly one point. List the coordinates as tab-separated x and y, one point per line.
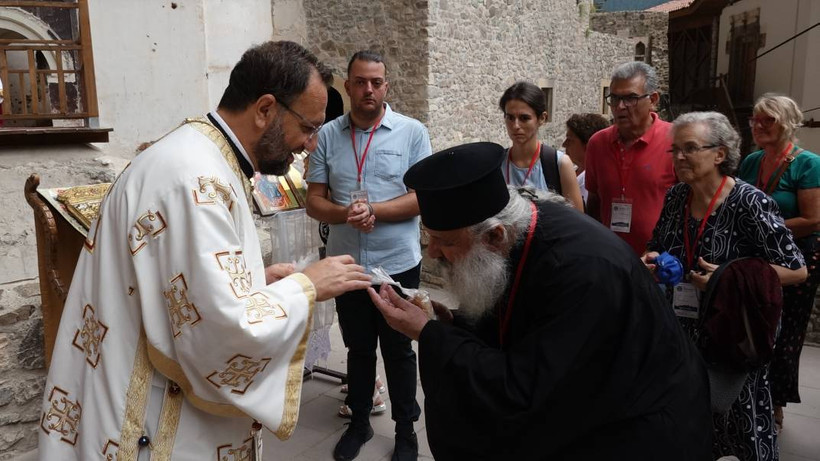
402	315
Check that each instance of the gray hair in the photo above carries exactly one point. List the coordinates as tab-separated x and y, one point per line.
721	133
515	217
785	111
629	70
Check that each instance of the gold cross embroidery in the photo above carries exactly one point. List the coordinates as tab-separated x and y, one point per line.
110	450
234	265
240	371
63	417
212	190
241	453
91	336
257	307
180	310
149	223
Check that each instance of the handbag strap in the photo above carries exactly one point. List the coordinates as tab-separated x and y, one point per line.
772	185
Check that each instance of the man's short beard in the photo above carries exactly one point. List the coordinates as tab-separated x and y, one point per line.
478	280
273	156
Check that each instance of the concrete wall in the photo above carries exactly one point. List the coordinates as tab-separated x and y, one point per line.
791	69
155	64
397	29
480	48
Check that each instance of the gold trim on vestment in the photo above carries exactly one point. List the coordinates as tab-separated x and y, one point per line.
293	383
136	403
204	126
173	371
168	424
307	287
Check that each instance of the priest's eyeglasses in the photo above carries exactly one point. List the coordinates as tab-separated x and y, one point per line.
629	100
689	149
306	125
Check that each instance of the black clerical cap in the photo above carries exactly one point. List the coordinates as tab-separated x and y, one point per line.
459	186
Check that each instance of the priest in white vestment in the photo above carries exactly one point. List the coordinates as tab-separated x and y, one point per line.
172	343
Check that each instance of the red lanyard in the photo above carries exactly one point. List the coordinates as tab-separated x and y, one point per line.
360	163
532	163
530	233
690	255
779	164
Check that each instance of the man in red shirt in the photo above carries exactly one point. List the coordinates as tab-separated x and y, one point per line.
628	167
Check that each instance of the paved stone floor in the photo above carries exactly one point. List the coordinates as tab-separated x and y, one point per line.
319	428
800	439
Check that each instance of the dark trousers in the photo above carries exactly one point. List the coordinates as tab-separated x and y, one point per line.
362	326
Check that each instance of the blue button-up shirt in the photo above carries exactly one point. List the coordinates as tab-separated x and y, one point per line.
398	143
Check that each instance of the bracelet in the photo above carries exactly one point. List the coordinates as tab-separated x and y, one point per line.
370	208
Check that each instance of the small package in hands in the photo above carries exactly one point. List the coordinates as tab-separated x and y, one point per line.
417	296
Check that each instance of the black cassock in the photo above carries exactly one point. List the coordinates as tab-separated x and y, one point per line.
594	365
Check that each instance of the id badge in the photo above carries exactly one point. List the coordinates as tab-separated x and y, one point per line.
621	216
358	196
686	300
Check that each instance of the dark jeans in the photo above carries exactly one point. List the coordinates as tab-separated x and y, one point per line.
362	325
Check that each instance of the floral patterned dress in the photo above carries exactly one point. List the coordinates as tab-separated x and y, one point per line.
746	224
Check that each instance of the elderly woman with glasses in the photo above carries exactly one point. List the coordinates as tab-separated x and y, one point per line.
710	218
791	176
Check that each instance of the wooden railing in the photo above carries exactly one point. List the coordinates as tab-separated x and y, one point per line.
62	86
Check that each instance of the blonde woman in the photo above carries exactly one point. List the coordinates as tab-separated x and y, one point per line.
791	176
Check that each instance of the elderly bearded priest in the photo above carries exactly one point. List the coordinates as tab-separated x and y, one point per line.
563	348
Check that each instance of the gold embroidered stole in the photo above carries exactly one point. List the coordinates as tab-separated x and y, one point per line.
204	126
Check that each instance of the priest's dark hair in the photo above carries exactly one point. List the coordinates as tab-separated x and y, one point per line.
282	69
366	56
527	92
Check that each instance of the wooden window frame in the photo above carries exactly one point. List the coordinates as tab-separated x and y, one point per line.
84	74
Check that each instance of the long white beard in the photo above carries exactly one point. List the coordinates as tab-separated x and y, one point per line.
478	280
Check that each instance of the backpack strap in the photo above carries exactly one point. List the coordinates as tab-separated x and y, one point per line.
549	165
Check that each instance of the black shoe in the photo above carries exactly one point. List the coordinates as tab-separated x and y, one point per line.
407	447
351	442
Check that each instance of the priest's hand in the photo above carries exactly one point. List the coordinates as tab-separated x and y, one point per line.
335	275
402	315
277	272
701	279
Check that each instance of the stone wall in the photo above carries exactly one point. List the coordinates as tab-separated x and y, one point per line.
640	24
22	364
396	29
479	48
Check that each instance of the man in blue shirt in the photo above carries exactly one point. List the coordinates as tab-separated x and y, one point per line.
355	184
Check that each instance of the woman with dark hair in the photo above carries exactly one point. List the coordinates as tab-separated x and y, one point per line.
581	127
527	161
791	176
707	219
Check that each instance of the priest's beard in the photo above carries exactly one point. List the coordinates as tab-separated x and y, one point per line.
478	280
273	156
